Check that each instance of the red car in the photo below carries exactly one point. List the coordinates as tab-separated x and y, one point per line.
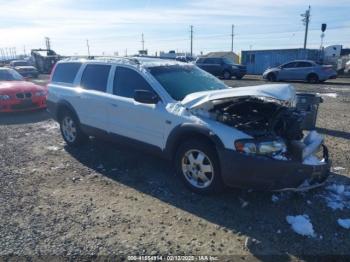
16	94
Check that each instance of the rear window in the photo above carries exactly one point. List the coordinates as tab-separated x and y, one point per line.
95	77
65	72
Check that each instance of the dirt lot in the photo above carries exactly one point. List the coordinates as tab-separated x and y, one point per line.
106	200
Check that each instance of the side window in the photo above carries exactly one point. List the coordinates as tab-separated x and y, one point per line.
65	72
95	77
304	64
126	81
289	65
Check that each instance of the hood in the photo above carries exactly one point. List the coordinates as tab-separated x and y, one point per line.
11	87
280	92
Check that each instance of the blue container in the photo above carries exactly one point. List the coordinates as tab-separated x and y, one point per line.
257	61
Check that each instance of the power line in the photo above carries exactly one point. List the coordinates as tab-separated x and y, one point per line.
306	21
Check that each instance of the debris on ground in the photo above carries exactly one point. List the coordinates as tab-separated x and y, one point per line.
274	198
301	225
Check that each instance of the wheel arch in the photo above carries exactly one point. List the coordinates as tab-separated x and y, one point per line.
184	132
65	105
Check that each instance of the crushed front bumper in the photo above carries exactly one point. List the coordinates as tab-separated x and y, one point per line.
264	173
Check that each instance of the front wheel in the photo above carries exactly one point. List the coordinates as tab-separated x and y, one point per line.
197	164
70	129
271	77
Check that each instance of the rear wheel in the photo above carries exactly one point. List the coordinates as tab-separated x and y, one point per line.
226	75
271	77
70	129
196	163
312	79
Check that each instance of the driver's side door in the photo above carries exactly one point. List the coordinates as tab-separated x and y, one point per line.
131	119
288	71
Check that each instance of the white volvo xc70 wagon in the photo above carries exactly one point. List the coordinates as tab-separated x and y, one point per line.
248	137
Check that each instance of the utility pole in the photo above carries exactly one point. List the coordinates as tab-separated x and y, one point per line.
191	40
232	35
306	20
143	42
88	47
47	42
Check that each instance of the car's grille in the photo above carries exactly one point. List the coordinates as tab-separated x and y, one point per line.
25	105
24	95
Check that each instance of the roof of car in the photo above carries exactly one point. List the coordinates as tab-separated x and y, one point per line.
136	61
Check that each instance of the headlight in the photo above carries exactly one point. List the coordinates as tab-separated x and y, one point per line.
40	93
4	97
251	146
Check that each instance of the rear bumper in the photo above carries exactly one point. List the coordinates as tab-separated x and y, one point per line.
263	173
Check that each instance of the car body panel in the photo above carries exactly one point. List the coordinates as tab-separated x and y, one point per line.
282	92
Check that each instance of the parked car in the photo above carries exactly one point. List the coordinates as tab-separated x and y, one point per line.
16	94
24	68
221	67
305	70
248	137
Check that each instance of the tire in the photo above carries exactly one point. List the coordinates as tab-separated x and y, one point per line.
226	75
271	77
191	159
239	77
312	79
70	129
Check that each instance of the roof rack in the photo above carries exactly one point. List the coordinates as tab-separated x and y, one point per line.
130	60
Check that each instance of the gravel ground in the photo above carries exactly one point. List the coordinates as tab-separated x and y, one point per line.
106	200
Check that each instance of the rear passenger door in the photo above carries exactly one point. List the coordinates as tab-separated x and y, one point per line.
91	105
128	118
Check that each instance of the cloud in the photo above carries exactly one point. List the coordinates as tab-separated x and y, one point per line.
111	27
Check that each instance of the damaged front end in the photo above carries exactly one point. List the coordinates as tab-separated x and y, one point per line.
279	155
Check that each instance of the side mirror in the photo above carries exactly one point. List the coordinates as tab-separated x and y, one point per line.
146	97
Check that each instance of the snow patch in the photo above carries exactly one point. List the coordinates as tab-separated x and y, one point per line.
333	95
337	196
301	225
345	223
312	161
52	148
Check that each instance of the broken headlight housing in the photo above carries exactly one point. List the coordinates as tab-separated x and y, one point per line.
251	146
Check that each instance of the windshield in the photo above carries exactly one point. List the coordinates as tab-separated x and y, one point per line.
181	80
10	75
20	63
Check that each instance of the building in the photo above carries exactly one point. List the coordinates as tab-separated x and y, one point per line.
257	61
230	55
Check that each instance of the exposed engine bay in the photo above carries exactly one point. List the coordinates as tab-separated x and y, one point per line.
269	119
260	117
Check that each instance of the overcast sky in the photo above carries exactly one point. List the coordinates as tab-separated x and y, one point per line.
114	25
